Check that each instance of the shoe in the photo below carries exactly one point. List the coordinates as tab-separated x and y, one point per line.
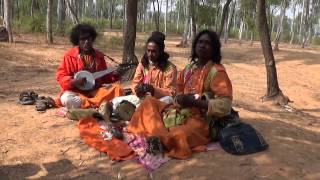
28	97
44	103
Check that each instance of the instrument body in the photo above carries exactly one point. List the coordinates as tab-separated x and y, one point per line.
91	77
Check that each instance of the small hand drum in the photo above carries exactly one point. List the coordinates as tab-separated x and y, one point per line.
91	77
90	83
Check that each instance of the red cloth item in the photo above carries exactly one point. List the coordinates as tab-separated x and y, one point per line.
90	132
72	63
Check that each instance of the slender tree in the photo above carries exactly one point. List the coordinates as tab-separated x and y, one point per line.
130	37
157	16
112	3
273	90
184	41
8	18
306	23
292	31
165	18
61	11
280	25
224	16
49	22
72	12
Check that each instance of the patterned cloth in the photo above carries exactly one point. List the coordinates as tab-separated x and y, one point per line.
139	145
173	116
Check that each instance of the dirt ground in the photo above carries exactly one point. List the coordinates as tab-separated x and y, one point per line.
43	146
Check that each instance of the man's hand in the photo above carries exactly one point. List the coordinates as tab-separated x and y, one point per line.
149	88
142	89
119	71
78	82
186	100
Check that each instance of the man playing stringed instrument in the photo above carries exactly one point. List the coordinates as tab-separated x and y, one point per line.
84	57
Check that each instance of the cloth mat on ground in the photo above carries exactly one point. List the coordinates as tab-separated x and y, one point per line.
132	147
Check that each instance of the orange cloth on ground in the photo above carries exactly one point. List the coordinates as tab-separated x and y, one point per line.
116	149
94	98
179	140
164	82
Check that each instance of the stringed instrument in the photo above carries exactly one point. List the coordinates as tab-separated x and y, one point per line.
91	77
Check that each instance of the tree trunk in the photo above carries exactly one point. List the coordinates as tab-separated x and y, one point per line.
157	15
301	22
34	6
178	18
228	26
193	20
130	37
72	12
18	10
1	9
111	13
49	22
217	16
184	41
124	20
8	18
280	26
273	90
61	15
292	32
306	23
144	15
241	31
224	16
165	18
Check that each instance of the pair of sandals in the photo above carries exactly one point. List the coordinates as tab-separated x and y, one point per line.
30	98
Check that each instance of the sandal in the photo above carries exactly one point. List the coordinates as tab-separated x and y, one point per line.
44	103
28	97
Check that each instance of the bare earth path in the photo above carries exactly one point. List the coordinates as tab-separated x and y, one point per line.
43	146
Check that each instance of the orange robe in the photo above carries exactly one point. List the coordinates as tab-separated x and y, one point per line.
164	82
181	140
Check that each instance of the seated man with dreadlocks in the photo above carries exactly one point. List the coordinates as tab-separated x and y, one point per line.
84	57
155	75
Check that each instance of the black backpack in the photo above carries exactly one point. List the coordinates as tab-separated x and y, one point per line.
241	138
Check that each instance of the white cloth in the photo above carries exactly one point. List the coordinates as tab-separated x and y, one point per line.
131	98
70	100
167	99
136	101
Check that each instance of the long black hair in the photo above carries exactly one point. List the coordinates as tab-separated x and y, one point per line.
81	29
157	38
214	42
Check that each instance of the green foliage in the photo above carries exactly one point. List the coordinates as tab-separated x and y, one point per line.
210	14
28	24
116	41
234	33
316	40
109	42
286	36
97	23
